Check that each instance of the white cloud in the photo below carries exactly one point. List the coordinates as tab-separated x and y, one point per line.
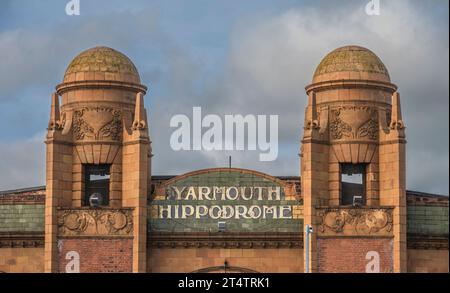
270	61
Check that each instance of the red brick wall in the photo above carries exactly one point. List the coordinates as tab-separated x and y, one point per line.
98	255
339	255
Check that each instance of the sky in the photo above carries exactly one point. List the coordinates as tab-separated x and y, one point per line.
228	57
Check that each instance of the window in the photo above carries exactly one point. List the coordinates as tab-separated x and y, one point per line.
96	181
353	184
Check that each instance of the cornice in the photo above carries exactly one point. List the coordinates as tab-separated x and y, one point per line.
75	85
225	240
351	83
21	240
427	242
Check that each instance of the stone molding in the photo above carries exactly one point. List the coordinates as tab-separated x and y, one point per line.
95	84
418	241
225	240
351	83
95	222
214	170
14	199
21	239
354	221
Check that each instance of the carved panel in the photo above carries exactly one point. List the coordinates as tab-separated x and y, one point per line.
97	123
354	122
95	222
355	221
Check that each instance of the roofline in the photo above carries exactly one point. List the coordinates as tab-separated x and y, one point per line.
20	190
168	177
425	194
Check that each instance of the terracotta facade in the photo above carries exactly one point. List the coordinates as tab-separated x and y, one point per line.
224	219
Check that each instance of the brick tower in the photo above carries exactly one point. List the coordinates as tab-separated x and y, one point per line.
353	166
98	167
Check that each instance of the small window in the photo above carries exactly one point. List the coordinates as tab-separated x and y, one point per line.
97	181
353	184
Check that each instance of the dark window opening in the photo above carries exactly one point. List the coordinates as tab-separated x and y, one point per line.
96	182
353	184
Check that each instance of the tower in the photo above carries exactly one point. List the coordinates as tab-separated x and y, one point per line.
353	166
98	167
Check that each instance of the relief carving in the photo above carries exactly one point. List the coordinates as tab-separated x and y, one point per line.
97	123
95	222
339	129
354	122
356	221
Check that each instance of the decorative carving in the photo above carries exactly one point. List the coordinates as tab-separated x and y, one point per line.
396	122
55	125
439	242
339	128
354	122
231	240
397	125
97	123
38	197
356	221
139	125
311	124
21	239
95	222
370	130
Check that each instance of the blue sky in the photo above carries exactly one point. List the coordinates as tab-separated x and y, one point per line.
228	57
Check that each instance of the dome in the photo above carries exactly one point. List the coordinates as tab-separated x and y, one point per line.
100	64
352	63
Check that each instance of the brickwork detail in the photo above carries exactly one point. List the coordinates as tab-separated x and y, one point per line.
24	196
338	255
98	255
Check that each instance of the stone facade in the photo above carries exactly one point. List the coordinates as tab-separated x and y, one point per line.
101	121
353	117
223	219
244	252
